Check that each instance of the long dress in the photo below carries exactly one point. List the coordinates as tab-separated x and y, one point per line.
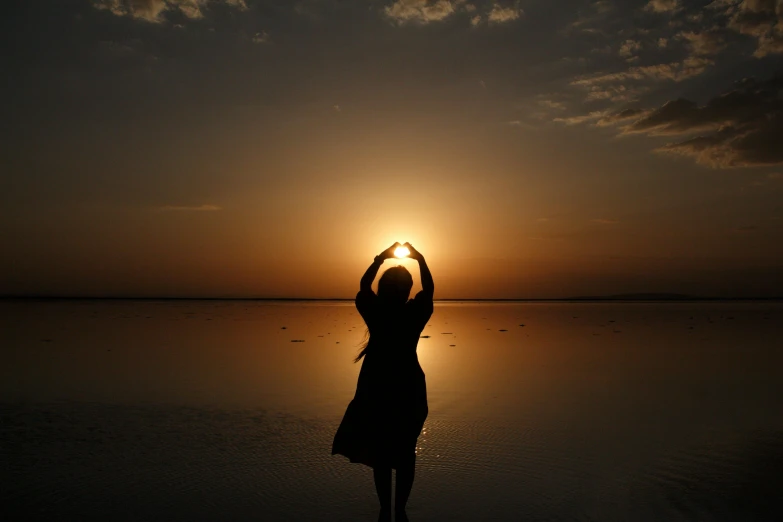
384	420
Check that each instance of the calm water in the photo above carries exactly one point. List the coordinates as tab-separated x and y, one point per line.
146	411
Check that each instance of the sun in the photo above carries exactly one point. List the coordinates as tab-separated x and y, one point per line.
401	252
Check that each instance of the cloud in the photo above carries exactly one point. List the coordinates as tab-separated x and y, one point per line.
629	47
677	71
603	221
551	104
741	128
422	11
718	5
603	6
624	115
662	6
500	14
750	102
599	13
148	10
761	19
674	71
615	86
200	208
612	92
705	43
576	120
751	146
772	43
259	38
677	117
521	124
152	10
429	11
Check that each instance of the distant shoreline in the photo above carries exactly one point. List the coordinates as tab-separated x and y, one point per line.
630	298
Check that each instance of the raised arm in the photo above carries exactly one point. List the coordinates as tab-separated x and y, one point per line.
427	284
369	276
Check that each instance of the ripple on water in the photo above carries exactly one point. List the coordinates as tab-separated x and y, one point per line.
101	462
104	462
738	480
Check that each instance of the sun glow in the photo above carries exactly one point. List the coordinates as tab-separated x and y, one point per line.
401	252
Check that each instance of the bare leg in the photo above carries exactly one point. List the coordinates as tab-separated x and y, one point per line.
405	474
382	476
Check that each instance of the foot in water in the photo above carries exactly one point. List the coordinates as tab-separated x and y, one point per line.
384	515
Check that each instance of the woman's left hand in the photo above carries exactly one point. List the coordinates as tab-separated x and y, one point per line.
414	254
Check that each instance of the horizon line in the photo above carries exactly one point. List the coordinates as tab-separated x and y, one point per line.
617	297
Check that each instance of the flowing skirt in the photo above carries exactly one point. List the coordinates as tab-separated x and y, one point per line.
382	423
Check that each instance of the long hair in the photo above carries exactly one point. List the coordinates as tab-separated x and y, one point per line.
394	287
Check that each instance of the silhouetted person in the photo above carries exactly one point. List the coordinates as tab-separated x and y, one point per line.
383	421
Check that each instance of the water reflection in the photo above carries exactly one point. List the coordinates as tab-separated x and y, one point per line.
151	408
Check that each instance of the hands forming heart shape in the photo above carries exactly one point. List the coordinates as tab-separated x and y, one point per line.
401	251
398	250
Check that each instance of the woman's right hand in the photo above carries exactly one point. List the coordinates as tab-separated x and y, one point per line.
389	252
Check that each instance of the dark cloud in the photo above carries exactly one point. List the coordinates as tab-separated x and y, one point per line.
747	146
674	117
742	127
751	102
685	42
683	45
761	19
125	55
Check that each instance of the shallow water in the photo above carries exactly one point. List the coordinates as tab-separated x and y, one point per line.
206	410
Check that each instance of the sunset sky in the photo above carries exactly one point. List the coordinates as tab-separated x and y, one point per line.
258	148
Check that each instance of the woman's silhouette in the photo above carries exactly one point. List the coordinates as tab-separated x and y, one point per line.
386	415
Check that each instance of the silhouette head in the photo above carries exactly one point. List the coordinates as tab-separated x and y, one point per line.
395	285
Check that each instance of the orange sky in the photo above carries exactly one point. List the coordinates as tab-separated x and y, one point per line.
244	149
